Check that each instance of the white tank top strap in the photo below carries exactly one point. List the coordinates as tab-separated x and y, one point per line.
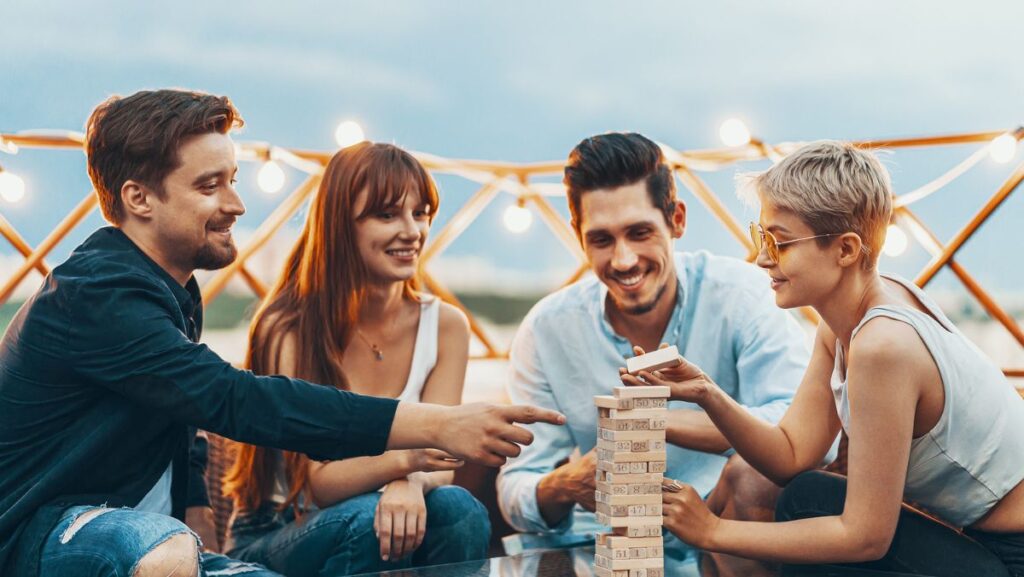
424	356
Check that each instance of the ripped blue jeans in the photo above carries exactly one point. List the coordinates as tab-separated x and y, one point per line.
340	540
97	542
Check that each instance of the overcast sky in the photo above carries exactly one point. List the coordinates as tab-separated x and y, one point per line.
525	81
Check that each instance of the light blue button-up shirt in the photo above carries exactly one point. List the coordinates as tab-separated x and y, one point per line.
725	321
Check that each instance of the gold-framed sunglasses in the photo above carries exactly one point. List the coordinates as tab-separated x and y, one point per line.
766	241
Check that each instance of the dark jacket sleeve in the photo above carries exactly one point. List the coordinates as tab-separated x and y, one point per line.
125	336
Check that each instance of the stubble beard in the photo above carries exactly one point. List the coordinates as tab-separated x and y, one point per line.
210	257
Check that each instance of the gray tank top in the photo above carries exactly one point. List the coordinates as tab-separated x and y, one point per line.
975	453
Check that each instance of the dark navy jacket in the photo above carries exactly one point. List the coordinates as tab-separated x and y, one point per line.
102	384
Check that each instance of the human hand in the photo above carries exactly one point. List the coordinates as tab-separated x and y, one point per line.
400	520
687	515
686	382
430	460
574	481
487	434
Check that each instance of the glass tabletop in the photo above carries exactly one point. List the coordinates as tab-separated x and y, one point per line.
579	562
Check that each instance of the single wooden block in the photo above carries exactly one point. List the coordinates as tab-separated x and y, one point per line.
623	446
602	572
638	531
621	499
612	402
635	468
627	424
644	489
640	445
616	489
630	457
644	403
657	424
656	467
654	360
649	572
615	564
617	467
640	478
613	541
648	392
637	413
613	522
613	435
652	509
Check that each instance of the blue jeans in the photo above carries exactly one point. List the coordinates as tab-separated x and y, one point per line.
110	542
340	539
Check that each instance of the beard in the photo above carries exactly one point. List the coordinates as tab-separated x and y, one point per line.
212	257
645	307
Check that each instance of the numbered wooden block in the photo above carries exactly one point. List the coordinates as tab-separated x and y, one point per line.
642	403
626	499
613	402
615	522
615	435
650	392
638	531
616	564
647	477
654	360
656	467
613	541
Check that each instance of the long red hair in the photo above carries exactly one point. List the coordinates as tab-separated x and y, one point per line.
319	294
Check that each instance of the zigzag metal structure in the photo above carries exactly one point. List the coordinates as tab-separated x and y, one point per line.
495	178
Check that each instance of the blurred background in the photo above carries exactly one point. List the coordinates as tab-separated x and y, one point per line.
524	82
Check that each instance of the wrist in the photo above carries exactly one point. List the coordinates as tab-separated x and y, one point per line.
712	397
551	489
416	426
712	538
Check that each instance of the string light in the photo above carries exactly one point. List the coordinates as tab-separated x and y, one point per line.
12	187
895	241
348	133
518	218
1003	148
734	132
270	177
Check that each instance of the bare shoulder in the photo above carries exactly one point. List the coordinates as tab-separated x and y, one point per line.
884	345
452	322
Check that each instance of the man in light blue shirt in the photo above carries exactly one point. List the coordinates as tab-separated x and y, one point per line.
719	312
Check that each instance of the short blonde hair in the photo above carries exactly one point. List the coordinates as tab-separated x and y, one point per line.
835	188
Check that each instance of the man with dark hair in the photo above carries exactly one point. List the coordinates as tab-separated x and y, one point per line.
718	311
103	382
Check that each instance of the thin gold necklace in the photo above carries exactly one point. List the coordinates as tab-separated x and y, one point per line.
377	352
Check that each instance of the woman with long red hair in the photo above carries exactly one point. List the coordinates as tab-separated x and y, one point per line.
346	311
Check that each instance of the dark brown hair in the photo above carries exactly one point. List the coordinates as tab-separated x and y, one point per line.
618	159
320	292
138	137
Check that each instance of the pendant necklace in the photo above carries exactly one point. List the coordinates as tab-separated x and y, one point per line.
377	352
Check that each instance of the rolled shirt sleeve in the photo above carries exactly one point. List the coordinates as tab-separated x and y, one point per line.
518	479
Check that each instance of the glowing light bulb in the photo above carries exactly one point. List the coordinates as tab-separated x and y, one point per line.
895	241
12	187
1003	148
518	219
734	133
270	178
348	133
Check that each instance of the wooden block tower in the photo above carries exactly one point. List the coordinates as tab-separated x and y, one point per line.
630	470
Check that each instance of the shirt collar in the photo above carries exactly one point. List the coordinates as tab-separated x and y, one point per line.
189	296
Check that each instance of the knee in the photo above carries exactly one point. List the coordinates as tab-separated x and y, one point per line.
744	493
454	505
178	556
811	494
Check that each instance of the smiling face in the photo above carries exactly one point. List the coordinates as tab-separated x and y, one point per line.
629	245
390	240
806	272
193	217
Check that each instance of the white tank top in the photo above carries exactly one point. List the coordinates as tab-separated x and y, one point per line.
424	358
975	453
424	354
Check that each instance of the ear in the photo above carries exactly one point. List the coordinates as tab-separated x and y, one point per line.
679	219
137	199
850	249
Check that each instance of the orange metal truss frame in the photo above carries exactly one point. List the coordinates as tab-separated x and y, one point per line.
498	177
